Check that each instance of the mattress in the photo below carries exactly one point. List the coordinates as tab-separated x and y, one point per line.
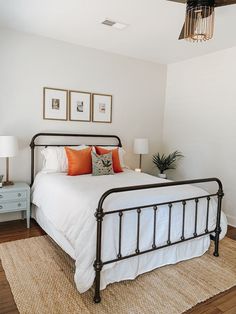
66	207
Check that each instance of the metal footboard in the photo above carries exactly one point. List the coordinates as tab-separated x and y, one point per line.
100	213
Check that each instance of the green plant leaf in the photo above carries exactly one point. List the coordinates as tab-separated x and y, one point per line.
163	162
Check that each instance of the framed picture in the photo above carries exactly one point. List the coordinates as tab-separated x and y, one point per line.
79	106
102	108
55	103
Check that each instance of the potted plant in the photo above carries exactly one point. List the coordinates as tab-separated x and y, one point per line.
164	162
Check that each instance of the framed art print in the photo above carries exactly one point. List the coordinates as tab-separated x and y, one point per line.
79	106
102	108
55	103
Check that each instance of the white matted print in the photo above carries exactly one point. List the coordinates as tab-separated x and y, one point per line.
54	103
102	108
79	106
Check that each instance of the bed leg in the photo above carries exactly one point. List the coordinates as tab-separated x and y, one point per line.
216	251
98	262
220	195
97	297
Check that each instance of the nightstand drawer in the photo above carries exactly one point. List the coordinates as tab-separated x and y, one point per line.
20	205
6	196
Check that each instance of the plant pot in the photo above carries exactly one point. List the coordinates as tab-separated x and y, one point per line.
162	175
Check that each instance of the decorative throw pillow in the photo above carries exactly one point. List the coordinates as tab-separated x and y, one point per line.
115	157
55	159
79	161
102	164
121	152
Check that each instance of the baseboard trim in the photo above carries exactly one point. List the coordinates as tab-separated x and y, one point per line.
231	220
10	216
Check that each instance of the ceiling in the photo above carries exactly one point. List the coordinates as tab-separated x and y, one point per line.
154	26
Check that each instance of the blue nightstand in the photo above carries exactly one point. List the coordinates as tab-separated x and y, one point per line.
15	198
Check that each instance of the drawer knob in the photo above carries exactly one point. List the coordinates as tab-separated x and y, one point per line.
1	196
19	204
1	207
19	194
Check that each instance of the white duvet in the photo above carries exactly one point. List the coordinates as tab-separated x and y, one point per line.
69	203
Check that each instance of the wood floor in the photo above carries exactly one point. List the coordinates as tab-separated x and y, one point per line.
15	230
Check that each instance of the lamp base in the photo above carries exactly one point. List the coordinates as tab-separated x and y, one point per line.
7	183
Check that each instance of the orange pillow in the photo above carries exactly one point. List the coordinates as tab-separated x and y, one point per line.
79	161
115	157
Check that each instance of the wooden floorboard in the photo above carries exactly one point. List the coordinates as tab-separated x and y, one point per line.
225	302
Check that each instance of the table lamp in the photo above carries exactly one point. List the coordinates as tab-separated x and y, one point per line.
140	148
8	148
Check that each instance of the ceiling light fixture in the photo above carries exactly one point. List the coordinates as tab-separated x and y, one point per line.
199	20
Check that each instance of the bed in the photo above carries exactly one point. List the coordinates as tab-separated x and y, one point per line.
141	222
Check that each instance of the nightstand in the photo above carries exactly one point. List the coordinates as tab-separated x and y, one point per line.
15	198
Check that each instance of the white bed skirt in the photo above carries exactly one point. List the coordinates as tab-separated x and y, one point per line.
48	227
125	269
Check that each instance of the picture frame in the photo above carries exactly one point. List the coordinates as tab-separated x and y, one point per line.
102	108
79	106
55	104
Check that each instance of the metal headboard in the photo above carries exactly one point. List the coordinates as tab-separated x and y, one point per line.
33	144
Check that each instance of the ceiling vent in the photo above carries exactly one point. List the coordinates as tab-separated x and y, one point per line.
108	22
114	24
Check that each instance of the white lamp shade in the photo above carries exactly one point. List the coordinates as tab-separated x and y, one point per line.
8	146
141	146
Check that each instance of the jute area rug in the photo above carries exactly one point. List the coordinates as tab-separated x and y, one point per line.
41	278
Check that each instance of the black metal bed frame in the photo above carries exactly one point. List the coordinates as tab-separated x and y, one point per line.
100	213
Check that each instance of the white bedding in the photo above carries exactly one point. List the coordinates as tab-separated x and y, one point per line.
69	204
49	228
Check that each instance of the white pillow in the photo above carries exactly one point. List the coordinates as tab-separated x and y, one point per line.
55	159
121	154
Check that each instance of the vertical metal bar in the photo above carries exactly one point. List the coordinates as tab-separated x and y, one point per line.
169	224
98	262
119	255
154	226
140	161
7	169
207	215
138	230
183	221
196	212
218	228
32	164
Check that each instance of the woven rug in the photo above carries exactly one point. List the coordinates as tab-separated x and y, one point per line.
41	278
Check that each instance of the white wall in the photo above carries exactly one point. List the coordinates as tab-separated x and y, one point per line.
28	63
200	120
